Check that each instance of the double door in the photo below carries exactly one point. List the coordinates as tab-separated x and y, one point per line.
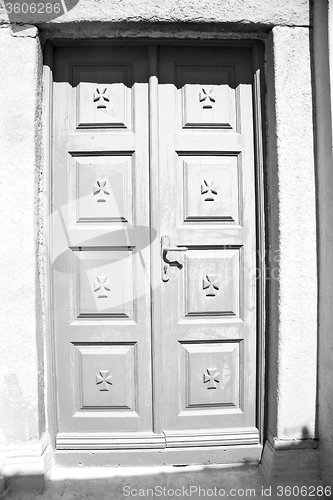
153	250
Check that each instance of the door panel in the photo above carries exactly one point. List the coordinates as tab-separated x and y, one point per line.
207	204
101	242
216	200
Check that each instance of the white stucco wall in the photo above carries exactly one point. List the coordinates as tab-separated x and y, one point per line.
20	389
243	12
292	220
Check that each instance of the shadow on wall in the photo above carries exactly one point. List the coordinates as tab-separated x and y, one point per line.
305	433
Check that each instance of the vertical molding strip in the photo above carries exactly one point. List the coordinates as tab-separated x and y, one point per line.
154	226
48	282
258	91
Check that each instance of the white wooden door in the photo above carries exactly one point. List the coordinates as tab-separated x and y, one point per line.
101	246
207	308
154	348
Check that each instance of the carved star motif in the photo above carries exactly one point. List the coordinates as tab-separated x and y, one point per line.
208	188
102	286
207	96
101	96
104	379
212	377
102	189
210	283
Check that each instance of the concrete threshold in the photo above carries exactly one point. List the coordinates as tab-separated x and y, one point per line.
165	482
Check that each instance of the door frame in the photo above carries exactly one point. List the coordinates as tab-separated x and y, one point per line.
257	48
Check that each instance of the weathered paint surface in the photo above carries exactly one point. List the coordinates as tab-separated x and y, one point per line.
19	419
261	12
293	283
323	65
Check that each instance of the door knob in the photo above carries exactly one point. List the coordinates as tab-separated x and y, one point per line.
165	248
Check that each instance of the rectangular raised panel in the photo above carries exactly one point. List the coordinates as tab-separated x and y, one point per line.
104	283
211	192
208	96
212	375
212	282
103	98
106	375
101	189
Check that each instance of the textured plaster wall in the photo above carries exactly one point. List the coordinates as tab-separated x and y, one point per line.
242	12
20	387
323	66
291	195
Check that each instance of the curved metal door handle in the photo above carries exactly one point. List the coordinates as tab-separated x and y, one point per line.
165	248
175	249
